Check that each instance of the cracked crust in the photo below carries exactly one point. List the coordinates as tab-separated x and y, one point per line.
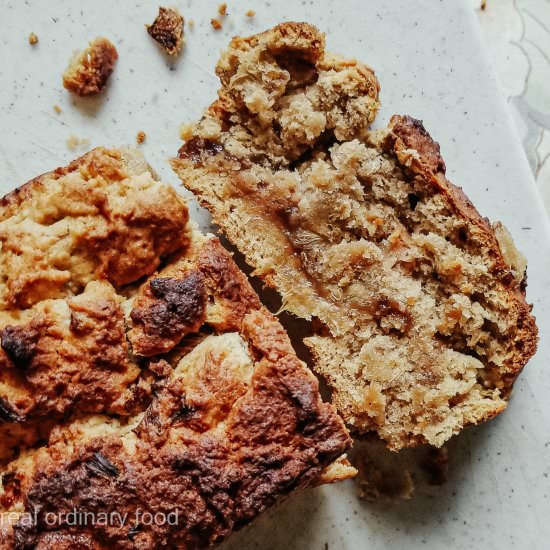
421	324
171	389
101	217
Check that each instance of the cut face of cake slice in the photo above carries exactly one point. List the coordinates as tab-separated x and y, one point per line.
170	392
421	324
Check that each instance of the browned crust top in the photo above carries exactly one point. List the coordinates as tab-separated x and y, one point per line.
224	434
276	436
54	368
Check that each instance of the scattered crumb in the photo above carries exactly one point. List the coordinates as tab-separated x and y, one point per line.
216	25
57	109
33	39
141	135
191	23
483	4
186	131
89	70
167	30
222	9
74	142
250	13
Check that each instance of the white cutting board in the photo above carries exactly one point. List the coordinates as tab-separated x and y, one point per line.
431	63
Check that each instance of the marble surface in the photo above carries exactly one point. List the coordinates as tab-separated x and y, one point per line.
517	36
433	64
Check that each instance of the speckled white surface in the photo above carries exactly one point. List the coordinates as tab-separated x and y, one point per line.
517	37
429	59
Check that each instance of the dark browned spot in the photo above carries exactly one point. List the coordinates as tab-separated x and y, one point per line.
20	344
413	199
100	465
183	412
7	413
179	304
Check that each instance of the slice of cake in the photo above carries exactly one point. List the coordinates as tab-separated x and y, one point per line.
139	373
421	325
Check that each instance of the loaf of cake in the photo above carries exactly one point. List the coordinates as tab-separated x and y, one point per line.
142	383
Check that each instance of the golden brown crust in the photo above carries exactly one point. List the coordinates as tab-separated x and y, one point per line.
88	72
70	355
99	217
223	439
212	417
232	294
423	324
167	30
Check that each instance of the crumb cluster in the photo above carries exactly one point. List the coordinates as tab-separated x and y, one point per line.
141	136
167	30
74	142
89	70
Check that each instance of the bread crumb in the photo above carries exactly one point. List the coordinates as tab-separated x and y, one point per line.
167	30
250	13
222	9
191	23
57	109
141	135
33	39
216	25
89	70
74	142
